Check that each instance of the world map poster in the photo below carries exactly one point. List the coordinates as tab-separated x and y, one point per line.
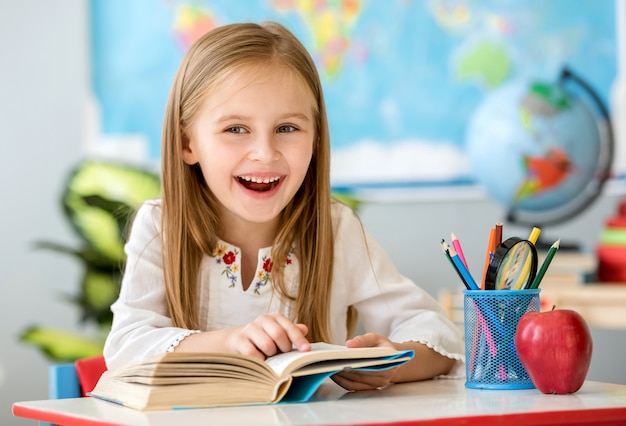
402	78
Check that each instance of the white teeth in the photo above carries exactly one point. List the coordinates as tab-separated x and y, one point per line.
259	180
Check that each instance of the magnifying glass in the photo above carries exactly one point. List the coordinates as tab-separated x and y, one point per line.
513	266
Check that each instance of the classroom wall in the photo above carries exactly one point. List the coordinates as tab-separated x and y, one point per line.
43	83
43	77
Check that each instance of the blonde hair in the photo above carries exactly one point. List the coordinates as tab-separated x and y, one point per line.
190	220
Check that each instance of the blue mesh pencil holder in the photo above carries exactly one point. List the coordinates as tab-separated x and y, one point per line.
491	318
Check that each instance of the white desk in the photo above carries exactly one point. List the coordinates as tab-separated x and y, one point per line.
435	402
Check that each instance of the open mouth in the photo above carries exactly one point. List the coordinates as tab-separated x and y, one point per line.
258	184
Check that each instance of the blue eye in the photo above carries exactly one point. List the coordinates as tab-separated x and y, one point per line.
236	129
286	129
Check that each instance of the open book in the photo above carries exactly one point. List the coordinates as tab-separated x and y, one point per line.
188	379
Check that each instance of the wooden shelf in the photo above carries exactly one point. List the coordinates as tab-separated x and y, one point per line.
601	305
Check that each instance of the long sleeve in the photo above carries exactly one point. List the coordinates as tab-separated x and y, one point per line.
387	302
364	277
141	323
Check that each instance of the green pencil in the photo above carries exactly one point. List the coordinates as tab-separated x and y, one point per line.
546	263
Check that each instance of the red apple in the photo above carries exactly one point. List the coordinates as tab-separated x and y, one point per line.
555	349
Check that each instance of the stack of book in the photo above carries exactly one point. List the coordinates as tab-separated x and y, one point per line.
611	248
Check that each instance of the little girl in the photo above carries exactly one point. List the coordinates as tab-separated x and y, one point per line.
246	251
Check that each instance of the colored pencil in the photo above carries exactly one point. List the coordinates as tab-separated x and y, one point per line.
534	235
445	247
498	239
457	247
488	254
462	269
546	263
485	328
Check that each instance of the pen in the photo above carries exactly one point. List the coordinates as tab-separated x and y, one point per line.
546	263
469	280
457	247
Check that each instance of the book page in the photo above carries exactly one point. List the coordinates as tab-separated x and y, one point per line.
280	362
182	365
291	361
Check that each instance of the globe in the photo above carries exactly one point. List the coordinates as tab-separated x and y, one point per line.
542	150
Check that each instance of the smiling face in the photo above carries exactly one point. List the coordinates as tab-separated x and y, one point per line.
253	139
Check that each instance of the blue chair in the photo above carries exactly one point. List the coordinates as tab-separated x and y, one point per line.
74	380
63	381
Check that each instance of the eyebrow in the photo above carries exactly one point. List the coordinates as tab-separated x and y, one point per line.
236	117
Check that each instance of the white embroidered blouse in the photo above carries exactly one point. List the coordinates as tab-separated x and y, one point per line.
364	277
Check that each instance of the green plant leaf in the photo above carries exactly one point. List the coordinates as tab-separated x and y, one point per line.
100	230
89	256
99	290
98	199
61	346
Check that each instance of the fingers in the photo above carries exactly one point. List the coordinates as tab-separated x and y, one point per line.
368	340
269	335
299	340
355	380
285	334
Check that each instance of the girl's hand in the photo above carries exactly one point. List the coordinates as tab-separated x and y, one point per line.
268	335
366	380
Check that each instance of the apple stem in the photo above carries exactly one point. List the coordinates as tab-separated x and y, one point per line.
553	307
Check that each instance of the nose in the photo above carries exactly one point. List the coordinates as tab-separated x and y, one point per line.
264	148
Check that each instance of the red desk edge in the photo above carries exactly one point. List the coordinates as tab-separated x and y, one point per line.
600	416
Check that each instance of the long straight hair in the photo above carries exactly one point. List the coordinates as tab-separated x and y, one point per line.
190	219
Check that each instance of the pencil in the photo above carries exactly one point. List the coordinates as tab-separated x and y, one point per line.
457	247
445	248
467	277
489	252
534	235
498	239
546	263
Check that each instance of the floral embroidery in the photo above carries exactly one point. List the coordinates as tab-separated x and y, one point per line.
228	257
265	274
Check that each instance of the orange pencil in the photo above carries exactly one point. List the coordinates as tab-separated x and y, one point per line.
489	253
498	235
